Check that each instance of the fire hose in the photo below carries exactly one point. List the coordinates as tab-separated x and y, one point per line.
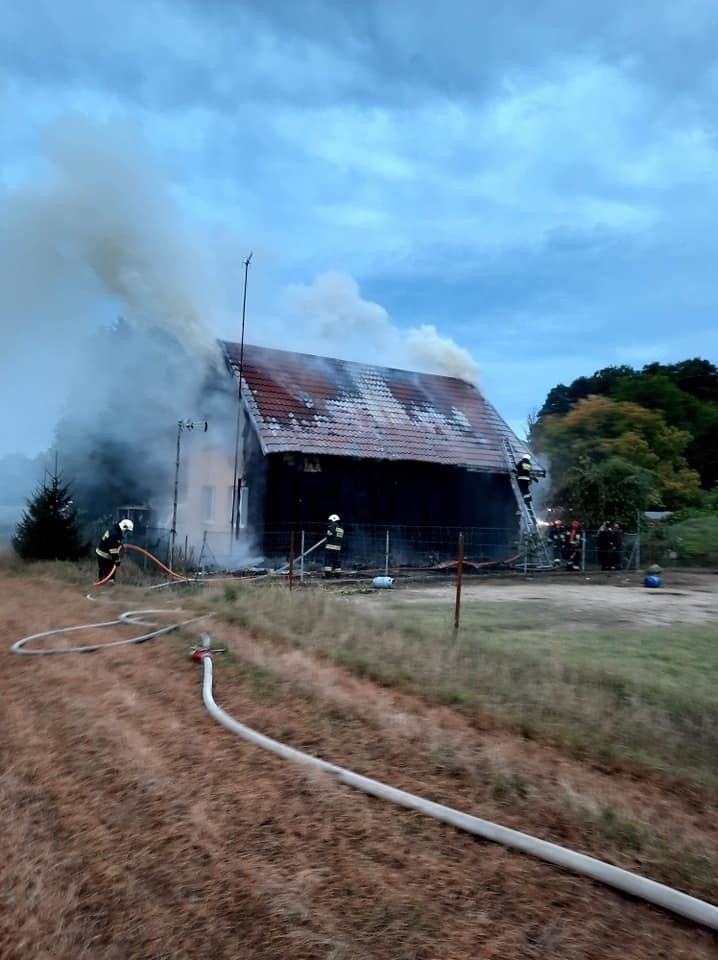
146	553
131	616
178	577
675	901
631	883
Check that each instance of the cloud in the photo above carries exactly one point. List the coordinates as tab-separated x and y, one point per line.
169	55
512	178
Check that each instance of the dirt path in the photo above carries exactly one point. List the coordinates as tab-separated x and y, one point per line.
136	827
594	597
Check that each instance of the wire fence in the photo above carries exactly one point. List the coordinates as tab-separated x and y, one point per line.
382	548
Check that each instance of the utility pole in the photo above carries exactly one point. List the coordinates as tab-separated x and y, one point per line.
237	480
181	425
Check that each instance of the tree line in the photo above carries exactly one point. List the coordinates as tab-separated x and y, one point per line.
627	440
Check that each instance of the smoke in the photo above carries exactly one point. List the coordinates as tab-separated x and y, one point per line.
108	294
101	224
338	321
96	235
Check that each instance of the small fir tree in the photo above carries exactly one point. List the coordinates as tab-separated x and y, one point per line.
49	528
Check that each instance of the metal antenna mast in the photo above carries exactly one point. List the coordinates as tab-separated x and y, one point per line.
234	521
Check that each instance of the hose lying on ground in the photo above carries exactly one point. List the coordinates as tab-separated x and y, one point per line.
675	901
657	893
131	616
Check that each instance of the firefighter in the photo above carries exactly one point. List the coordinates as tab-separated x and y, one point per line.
109	549
524	477
333	547
572	546
556	537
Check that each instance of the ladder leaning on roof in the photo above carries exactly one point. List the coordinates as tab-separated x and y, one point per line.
534	547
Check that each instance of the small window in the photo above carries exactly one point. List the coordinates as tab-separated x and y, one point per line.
243	505
207	504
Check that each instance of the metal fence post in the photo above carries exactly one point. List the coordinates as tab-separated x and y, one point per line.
301	562
386	556
459	574
291	558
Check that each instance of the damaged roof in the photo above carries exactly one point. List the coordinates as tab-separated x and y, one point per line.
318	405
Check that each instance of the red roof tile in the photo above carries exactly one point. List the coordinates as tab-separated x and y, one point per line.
309	404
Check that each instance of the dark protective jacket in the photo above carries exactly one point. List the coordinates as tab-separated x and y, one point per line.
557	535
110	544
335	535
523	473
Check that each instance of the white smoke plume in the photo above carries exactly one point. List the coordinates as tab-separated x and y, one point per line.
96	235
338	321
100	223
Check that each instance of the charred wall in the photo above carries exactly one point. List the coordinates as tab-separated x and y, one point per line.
301	490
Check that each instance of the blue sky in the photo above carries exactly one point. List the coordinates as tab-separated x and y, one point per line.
537	182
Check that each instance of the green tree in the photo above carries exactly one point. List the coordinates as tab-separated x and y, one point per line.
613	489
49	528
685	393
599	429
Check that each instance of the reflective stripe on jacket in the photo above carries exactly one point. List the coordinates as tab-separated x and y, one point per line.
523	471
335	535
110	544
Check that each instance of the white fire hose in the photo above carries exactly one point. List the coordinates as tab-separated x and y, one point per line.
131	616
693	909
657	893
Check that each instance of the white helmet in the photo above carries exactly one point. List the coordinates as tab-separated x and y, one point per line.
334	517
127	526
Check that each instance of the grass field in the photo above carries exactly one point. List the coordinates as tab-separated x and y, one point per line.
143	827
639	695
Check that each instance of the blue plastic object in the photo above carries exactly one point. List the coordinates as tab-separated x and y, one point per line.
652	581
383	583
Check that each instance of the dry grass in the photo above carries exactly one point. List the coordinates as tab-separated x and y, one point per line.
138	828
644	696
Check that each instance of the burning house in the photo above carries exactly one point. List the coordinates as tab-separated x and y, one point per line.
414	452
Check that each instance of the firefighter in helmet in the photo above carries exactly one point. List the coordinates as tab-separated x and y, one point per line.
109	550
557	536
525	476
333	547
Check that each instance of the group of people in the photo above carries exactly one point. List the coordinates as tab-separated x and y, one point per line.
567	541
567	544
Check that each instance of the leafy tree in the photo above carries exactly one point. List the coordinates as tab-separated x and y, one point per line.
49	528
613	489
685	393
599	429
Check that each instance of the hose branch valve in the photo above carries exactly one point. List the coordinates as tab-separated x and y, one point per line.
199	653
